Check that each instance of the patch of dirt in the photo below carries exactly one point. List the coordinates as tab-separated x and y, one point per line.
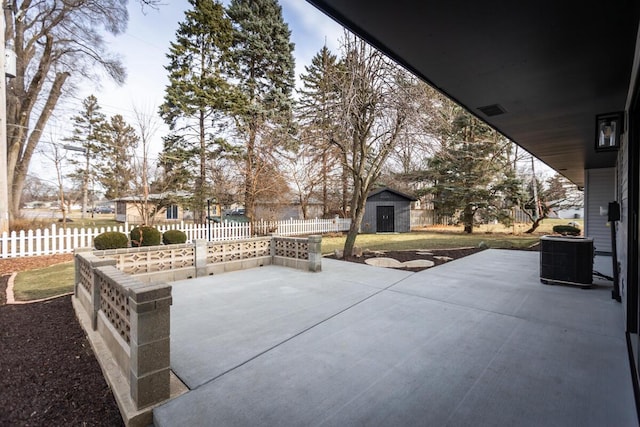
48	372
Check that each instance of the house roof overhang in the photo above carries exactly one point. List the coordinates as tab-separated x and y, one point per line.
551	66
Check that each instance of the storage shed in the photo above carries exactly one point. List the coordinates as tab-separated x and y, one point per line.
387	211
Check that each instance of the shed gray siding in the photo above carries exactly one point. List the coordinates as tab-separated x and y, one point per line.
402	212
599	191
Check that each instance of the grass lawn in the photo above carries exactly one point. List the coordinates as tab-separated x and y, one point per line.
437	239
58	279
44	282
494	236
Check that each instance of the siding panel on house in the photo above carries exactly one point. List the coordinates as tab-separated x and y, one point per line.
623	197
599	191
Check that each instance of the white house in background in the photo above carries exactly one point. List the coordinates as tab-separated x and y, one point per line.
574	212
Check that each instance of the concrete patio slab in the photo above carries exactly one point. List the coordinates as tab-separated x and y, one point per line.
220	322
418	351
508	282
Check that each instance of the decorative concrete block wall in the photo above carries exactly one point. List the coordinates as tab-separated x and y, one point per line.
133	319
130	309
168	263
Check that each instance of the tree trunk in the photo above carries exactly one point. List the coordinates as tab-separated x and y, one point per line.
535	224
19	162
85	184
60	189
356	221
145	183
249	196
358	201
325	207
467	219
203	171
345	189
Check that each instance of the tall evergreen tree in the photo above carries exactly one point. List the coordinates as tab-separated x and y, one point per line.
115	166
471	174
264	71
318	112
87	126
198	90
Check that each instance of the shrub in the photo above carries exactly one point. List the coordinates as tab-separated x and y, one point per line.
110	240
566	230
145	236
172	237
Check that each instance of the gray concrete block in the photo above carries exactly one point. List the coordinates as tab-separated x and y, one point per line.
151	326
150	357
150	389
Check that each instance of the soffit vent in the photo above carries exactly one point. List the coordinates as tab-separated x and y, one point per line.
492	110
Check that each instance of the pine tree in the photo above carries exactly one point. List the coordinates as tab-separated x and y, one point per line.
317	112
115	153
87	126
198	91
471	175
264	71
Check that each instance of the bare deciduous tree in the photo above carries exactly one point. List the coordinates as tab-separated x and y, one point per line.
374	108
147	125
56	44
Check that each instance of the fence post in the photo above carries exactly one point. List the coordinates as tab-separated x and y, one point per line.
149	344
200	254
315	253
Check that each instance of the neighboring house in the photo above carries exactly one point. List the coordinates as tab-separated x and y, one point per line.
274	211
129	208
572	212
387	211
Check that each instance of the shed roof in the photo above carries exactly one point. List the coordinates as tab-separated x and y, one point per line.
391	190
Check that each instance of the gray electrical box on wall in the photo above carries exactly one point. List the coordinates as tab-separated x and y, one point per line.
566	260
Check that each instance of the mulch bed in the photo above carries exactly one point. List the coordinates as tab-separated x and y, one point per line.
409	255
48	372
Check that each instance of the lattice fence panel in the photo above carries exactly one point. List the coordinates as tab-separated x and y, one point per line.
115	305
292	248
86	276
234	251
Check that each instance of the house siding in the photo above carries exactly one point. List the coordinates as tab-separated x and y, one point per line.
622	184
599	191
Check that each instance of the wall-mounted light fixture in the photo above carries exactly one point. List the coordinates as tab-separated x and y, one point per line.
609	129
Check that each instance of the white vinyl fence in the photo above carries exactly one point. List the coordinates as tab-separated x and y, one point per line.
58	240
